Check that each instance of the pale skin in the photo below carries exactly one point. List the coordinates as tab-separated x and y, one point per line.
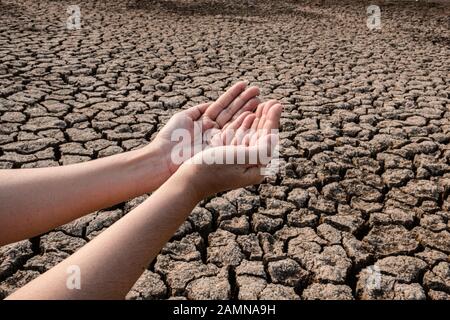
111	263
34	201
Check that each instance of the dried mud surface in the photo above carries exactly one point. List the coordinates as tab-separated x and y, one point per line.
365	139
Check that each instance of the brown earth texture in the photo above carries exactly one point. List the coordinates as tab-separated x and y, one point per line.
361	207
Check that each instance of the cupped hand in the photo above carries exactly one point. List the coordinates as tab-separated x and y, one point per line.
247	146
186	128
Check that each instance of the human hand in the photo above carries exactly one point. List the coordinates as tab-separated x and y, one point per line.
248	144
194	121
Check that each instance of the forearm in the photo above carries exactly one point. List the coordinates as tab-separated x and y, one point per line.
112	262
33	201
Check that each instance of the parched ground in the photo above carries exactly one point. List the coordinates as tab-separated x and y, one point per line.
362	208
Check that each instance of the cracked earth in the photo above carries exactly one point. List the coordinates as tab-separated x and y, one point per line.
365	188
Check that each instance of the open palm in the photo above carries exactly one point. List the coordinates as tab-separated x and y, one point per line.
236	157
194	122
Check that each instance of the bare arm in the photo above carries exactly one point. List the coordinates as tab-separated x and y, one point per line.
33	201
111	263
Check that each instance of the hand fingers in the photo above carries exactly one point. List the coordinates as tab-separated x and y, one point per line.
251	105
268	105
266	147
196	112
266	119
225	99
260	109
263	128
273	117
250	133
236	123
202	107
247	138
213	137
243	129
259	154
207	123
229	131
228	112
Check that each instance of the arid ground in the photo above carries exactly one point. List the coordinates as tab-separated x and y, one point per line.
361	208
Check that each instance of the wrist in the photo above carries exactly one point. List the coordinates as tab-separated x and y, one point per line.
188	176
146	167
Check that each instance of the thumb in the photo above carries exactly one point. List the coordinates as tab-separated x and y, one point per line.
208	123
